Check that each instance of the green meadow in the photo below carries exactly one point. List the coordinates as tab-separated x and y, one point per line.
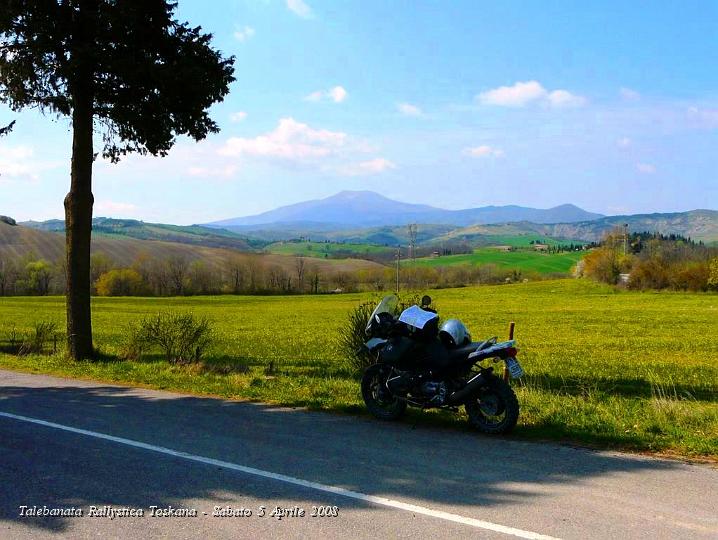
605	368
524	260
324	249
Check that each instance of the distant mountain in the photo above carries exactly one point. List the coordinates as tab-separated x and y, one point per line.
132	228
369	209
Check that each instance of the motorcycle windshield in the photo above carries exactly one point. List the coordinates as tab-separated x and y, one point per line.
387	305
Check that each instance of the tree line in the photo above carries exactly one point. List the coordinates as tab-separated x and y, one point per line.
647	260
236	273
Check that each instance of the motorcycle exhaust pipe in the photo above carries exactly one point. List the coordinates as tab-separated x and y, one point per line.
474	384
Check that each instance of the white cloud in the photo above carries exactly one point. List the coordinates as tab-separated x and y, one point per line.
645	168
290	140
518	95
528	93
483	151
315	96
238	116
21	162
409	110
563	98
336	94
624	142
244	34
629	95
300	8
115	208
372	166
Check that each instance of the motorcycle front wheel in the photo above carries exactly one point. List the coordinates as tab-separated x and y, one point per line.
379	400
494	409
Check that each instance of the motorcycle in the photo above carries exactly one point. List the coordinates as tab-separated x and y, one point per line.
421	365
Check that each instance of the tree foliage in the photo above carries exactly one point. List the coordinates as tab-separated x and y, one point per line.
651	261
151	77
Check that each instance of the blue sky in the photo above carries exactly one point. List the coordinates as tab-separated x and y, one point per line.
612	106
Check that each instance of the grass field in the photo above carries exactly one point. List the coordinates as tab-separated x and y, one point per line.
611	369
323	249
522	240
524	260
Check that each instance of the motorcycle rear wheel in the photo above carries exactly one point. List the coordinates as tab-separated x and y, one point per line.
379	400
495	409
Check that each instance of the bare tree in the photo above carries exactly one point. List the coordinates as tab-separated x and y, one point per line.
177	267
313	272
300	268
254	270
9	274
202	279
236	270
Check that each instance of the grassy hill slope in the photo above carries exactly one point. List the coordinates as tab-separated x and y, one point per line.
696	224
182	234
325	249
527	261
19	241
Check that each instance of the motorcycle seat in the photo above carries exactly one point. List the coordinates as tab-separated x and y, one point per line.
462	353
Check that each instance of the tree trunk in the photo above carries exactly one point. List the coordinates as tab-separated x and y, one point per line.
78	229
79	201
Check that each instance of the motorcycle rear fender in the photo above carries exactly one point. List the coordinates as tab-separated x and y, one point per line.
489	352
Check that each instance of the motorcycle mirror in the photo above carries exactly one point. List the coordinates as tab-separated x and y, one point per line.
426	301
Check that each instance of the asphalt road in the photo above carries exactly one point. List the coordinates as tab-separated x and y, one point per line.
67	444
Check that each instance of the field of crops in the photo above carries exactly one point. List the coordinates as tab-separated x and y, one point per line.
521	240
322	249
524	260
606	368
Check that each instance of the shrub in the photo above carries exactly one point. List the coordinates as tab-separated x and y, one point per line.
180	337
713	274
691	276
649	274
352	335
39	339
120	282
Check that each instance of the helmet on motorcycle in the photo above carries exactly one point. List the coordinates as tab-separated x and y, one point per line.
453	333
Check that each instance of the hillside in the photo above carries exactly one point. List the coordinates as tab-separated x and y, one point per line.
132	228
367	209
524	260
19	241
697	224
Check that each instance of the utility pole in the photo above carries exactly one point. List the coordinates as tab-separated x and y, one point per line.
398	259
412	241
625	238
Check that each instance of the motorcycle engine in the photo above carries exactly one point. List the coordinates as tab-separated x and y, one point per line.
434	390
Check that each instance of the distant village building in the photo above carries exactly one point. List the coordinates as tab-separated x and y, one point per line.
541	247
